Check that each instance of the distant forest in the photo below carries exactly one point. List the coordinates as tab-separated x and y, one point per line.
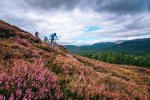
120	58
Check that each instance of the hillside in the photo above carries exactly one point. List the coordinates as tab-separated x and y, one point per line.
120	41
30	68
138	46
89	48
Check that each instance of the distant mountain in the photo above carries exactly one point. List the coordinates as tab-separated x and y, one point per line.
89	48
120	41
139	46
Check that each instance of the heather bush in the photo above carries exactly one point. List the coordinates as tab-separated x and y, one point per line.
53	67
29	81
23	35
45	48
73	96
36	41
6	56
6	34
15	46
69	94
30	60
22	42
28	54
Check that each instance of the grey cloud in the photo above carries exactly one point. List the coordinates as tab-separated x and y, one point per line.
53	4
123	6
132	26
25	24
113	6
124	33
133	35
136	24
139	23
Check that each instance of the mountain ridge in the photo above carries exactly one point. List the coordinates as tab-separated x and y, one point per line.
137	46
89	48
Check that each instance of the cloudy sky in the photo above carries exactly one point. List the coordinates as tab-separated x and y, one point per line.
80	22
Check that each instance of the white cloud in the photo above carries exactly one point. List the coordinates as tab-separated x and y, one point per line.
70	25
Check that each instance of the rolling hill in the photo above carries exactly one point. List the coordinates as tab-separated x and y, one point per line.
33	69
89	48
137	46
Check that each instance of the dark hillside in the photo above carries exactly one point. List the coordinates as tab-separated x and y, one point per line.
138	46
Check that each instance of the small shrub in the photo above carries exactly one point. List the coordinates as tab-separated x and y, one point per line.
33	39
73	96
28	54
36	40
44	48
54	67
7	56
22	42
30	60
6	34
6	53
57	69
15	46
23	35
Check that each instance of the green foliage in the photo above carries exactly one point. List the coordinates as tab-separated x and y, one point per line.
121	58
6	34
66	90
36	41
15	46
44	48
73	96
54	67
68	93
30	60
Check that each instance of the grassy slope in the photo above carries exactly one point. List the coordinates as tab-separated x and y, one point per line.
86	77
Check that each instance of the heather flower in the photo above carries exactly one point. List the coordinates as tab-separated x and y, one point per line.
2	97
28	81
11	96
18	92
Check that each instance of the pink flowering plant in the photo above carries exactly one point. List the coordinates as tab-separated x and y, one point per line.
29	82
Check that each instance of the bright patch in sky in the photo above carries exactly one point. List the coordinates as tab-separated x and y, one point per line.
92	28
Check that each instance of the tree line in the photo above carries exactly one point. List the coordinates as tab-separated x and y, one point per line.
120	58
